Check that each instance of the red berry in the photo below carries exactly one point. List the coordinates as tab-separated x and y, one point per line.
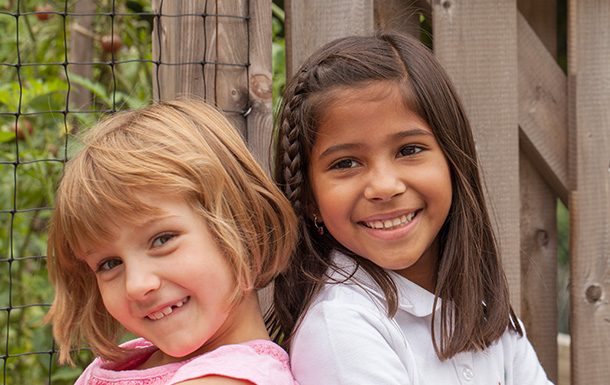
44	12
111	43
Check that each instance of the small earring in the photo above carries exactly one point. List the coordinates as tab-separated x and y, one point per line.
315	223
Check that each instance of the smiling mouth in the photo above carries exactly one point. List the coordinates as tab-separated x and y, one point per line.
167	311
391	224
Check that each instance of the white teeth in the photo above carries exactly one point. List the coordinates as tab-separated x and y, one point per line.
390	224
167	311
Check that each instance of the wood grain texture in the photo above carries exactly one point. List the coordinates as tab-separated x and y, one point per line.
543	109
539	265
81	51
476	42
542	114
180	71
260	120
589	154
313	23
231	83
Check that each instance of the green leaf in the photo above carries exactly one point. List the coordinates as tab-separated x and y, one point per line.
95	88
7	136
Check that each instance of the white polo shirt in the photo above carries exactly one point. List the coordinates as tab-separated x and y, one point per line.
346	338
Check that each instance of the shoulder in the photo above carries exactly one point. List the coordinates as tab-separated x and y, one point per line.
252	362
521	362
329	342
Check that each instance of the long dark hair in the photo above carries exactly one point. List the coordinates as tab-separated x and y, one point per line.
475	310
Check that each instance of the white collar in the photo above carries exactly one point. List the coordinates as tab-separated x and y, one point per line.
412	298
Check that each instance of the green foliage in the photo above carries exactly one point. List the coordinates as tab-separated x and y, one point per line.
35	85
279	56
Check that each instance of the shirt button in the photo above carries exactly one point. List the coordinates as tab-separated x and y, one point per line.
468	374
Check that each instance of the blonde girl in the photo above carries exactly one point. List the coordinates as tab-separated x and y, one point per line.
165	226
397	278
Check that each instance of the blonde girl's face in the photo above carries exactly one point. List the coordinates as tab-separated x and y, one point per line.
168	281
381	182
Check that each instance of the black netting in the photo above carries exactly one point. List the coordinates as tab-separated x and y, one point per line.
63	65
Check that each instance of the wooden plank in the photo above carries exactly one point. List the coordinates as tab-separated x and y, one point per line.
81	51
231	81
542	16
312	23
539	265
476	41
224	57
178	45
563	341
539	241
589	118
543	109
401	15
260	120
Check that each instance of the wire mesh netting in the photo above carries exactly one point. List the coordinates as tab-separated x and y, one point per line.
63	65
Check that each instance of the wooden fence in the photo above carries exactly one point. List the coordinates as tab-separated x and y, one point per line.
542	135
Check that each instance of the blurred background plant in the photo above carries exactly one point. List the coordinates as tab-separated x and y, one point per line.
35	125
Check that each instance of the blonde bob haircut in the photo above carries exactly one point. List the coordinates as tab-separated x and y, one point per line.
177	148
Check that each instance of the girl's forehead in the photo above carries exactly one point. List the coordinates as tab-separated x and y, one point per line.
369	91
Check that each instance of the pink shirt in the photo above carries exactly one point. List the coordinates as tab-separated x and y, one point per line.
259	361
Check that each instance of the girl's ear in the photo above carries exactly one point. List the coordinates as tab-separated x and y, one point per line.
312	210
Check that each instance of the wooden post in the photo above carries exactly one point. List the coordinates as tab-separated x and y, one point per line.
180	46
223	56
312	23
589	155
259	121
476	41
542	110
81	51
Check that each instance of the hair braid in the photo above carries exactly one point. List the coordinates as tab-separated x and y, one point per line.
291	167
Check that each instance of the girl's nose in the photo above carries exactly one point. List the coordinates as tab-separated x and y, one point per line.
140	281
384	183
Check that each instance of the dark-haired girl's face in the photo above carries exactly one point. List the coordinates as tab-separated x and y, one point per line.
381	182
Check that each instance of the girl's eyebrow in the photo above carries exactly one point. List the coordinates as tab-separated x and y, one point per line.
144	225
397	136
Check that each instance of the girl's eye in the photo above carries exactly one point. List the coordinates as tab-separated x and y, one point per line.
409	150
345	163
109	264
162	239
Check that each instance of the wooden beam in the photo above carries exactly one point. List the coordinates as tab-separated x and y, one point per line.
589	156
476	41
313	23
542	109
180	72
259	121
539	242
232	56
81	51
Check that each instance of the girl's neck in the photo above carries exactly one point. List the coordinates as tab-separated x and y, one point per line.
245	323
